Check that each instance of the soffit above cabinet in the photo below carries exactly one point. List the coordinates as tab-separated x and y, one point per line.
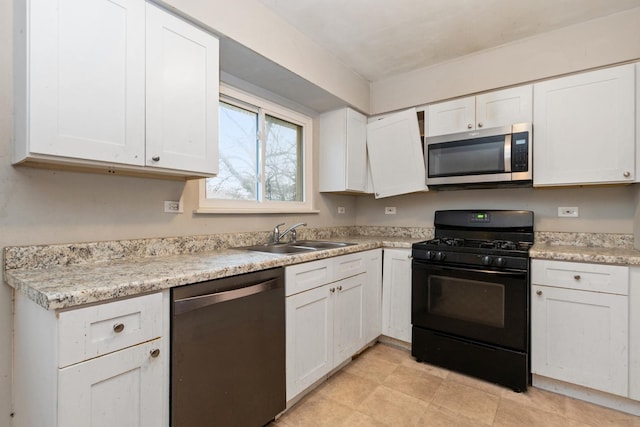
240	62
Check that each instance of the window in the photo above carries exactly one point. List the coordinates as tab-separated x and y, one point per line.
265	158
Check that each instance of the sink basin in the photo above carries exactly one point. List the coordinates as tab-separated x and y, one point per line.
280	248
322	244
296	247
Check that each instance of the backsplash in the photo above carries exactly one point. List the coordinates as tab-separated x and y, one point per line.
46	256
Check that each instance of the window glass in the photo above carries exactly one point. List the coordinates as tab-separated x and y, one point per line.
265	158
283	160
239	155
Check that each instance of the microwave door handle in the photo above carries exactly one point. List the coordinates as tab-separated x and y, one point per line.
507	153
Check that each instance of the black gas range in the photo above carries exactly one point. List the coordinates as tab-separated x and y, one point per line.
470	294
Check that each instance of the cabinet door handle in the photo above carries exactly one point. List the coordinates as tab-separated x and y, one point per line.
538	292
118	327
627	174
469	126
332	290
479	124
155	353
156	158
577	277
339	288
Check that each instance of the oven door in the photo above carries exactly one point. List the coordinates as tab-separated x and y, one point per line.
482	305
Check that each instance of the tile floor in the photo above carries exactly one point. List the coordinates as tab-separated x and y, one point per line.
384	386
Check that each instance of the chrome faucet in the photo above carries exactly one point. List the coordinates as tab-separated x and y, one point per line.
277	235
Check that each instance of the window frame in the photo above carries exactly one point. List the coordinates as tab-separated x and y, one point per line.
243	99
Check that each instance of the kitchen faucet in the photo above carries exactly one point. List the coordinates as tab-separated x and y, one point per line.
277	235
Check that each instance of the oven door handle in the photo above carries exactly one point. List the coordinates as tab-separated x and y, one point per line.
470	270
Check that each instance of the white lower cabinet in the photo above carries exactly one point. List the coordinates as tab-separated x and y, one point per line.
373	296
396	294
326	321
124	388
101	365
580	324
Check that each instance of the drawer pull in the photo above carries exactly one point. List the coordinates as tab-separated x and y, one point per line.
155	352
538	292
577	277
332	290
340	288
118	327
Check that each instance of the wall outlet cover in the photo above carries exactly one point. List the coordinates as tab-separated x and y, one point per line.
568	211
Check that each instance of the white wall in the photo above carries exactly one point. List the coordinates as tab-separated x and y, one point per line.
602	209
599	42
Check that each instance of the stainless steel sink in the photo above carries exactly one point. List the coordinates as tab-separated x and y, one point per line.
322	244
296	247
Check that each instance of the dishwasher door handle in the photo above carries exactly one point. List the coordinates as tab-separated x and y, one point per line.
184	305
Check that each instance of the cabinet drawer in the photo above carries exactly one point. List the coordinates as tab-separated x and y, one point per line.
613	279
302	277
349	265
100	329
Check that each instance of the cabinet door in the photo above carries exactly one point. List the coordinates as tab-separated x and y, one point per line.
584	127
356	164
86	80
458	115
348	326
580	337
395	152
396	294
505	107
122	389
309	338
182	95
373	296
343	151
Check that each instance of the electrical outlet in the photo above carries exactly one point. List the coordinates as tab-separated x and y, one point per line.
172	206
568	211
390	210
341	210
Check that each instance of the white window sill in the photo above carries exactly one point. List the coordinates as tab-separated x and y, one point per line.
254	211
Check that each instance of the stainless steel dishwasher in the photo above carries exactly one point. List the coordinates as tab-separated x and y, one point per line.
228	351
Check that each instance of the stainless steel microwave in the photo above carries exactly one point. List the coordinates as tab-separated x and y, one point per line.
482	158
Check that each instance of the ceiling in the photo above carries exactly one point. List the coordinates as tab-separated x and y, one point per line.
380	38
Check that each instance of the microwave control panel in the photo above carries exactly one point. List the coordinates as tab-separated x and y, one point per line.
520	152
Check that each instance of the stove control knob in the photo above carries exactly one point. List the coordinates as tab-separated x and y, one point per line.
440	256
486	260
430	254
499	262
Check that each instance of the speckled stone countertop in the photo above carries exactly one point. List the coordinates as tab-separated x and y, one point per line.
586	247
67	275
600	255
66	286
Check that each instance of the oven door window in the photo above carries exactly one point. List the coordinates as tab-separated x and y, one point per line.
476	156
480	305
467	300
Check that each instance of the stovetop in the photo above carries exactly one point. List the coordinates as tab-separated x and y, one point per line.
460	242
496	239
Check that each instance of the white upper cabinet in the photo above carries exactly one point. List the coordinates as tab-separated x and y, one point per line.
584	128
82	96
343	151
182	95
82	77
396	157
493	109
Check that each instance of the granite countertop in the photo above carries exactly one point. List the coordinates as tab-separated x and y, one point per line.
68	286
65	276
601	255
